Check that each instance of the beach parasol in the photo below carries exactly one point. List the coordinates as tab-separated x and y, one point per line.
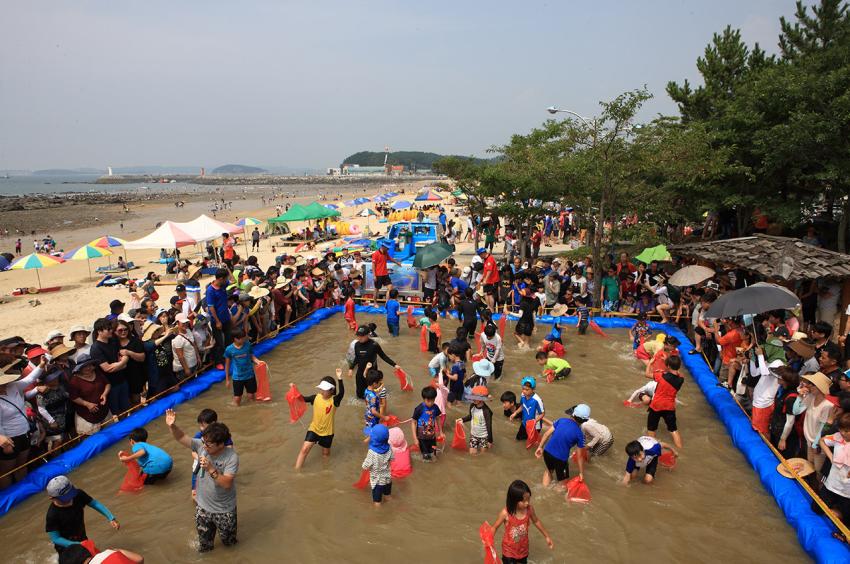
752	300
106	242
381	198
391	194
362	200
367	212
87	252
36	261
401	205
428	196
650	254
244	223
4	263
432	255
691	275
331	206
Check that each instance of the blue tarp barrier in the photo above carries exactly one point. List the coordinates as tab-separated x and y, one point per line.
36	481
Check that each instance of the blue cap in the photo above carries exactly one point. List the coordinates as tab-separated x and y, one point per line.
582	411
530	381
481	250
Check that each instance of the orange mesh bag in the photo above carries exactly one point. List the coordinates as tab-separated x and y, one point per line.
404	380
297	405
459	439
363	481
411	321
423	339
503	321
533	434
264	393
668	460
486	534
577	490
134	479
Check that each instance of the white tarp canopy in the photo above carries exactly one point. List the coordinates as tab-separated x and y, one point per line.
169	235
204	228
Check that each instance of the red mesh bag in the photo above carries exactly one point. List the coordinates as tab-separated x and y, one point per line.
577	490
503	321
264	392
411	321
297	405
579	453
363	481
550	375
477	357
423	339
390	420
459	439
134	480
485	531
668	460
533	434
404	380
596	328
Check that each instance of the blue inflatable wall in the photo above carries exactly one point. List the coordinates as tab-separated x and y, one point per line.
813	531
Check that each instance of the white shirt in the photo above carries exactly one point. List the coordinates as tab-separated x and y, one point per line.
438	362
838	480
764	393
595	432
493	347
184	342
13	421
581	282
478	427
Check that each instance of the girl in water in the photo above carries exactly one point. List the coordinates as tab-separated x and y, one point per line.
516	517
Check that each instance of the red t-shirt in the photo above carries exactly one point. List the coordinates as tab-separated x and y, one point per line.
664	398
490	273
728	343
90	392
228	248
379	264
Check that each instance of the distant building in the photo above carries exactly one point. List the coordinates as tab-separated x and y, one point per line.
334	171
353	169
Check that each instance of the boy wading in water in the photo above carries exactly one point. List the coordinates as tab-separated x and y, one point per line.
216	485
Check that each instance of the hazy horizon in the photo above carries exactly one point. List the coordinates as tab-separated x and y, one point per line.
281	84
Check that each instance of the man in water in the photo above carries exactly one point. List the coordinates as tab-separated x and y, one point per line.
362	351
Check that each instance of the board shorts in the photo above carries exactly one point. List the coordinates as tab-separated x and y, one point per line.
524	329
381	281
249	385
610	305
653	417
560	467
491	289
323	441
478	442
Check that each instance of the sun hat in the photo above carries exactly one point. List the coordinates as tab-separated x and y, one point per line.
35	352
479	393
258	292
317	271
530	381
125	317
159	311
17	365
558	310
483	367
819	380
326	386
283	282
9	342
61	488
53	334
60	350
466	270
396	439
193	271
78	329
150	329
582	411
802	348
800	465
82	362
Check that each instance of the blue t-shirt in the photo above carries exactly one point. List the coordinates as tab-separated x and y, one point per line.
241	361
554	334
426	420
531	407
373	401
458	284
567	434
392	311
456	386
155	461
217	300
651	449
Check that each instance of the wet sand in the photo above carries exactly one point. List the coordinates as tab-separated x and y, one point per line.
711	507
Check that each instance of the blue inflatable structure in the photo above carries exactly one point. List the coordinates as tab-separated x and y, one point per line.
813	531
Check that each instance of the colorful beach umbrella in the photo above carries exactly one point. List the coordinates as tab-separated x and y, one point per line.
428	196
401	205
381	198
351	203
87	252
331	206
248	221
36	261
367	212
107	241
362	200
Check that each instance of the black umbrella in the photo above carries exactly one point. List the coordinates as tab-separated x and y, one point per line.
758	298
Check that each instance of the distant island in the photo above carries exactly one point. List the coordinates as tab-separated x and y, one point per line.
238	169
65	171
411	160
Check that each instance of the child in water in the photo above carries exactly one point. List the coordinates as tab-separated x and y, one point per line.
321	428
392	307
425	424
377	462
583	314
644	453
516	516
349	311
374	383
640	331
481	416
554	368
153	461
530	407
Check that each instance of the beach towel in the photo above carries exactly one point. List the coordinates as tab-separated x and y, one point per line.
134	479
577	490
533	434
261	371
297	405
405	381
485	531
459	439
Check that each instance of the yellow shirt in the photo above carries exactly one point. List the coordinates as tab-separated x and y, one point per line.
323	416
556	364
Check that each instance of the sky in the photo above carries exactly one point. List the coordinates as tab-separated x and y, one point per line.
93	83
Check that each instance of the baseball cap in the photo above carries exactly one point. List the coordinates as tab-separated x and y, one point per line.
582	411
160	311
481	250
126	317
180	288
326	386
362	331
115	304
529	381
35	352
181	318
61	488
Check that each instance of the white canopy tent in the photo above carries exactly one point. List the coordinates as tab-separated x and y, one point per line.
204	228
169	235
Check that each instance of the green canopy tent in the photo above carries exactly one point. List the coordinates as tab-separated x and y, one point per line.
296	213
318	211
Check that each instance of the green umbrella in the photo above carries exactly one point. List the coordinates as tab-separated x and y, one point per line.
650	254
431	255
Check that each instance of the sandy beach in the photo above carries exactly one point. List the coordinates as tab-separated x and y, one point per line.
79	301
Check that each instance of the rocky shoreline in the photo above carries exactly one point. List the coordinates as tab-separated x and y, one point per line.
260	179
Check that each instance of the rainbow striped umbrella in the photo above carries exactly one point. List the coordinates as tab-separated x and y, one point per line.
86	253
36	261
246	221
107	241
428	196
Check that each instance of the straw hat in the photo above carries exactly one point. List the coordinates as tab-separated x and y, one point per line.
800	465
559	310
60	350
819	380
805	350
12	371
283	282
300	261
258	292
193	271
317	271
150	329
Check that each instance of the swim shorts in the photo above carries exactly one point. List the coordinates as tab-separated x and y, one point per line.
323	441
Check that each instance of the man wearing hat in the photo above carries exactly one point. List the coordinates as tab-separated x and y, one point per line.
801	356
116	307
380	270
55	337
489	276
65	523
79	336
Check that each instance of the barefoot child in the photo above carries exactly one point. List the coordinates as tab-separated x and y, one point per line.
481	416
491	345
377	462
321	429
530	407
597	437
555	446
516	517
558	367
153	461
349	317
66	524
425	425
644	453
392	307
374	383
663	403
239	362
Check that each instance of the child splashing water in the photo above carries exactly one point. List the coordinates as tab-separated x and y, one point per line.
377	462
516	517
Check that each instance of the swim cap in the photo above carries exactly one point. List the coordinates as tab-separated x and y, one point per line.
530	381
